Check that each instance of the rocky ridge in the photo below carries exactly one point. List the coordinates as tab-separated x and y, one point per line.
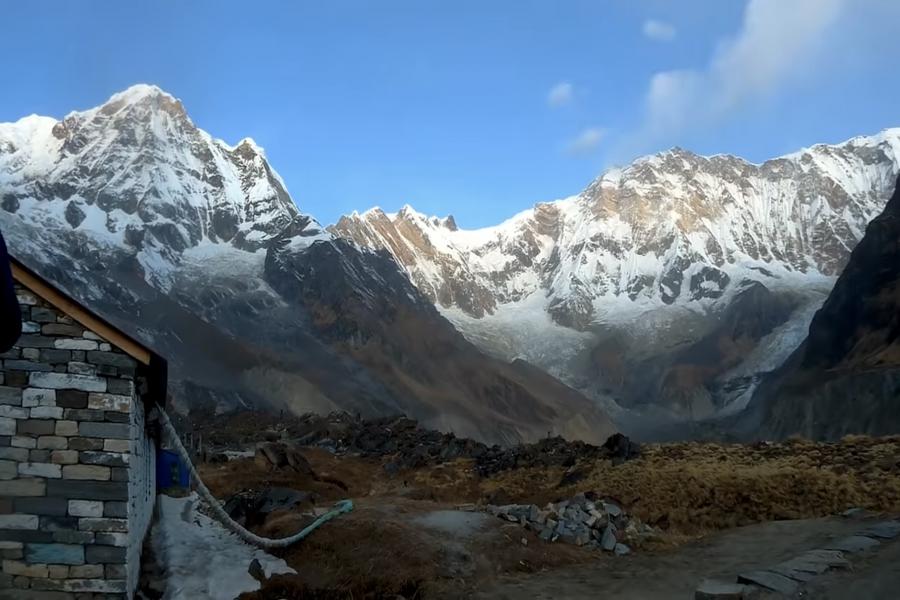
845	377
672	227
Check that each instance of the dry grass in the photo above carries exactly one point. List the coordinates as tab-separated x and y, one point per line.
358	475
686	489
693	488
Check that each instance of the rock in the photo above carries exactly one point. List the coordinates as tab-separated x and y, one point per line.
886	530
798	564
853	544
256	571
574	521
711	589
854	512
789	570
770	581
568	536
830	558
621	549
410	446
612	510
582	536
576	515
609	538
620	448
278	455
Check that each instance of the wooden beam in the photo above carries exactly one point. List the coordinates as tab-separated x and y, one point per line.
56	298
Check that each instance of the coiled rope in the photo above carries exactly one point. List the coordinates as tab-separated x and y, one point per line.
343	506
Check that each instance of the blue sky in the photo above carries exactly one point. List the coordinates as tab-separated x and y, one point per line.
474	108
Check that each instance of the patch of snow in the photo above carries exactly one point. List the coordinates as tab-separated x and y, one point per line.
202	559
522	329
239	454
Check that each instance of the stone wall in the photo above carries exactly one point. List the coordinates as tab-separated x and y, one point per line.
141	491
72	464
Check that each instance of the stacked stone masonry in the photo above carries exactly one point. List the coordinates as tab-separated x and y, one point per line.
76	465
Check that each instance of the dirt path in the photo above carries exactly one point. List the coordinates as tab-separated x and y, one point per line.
676	574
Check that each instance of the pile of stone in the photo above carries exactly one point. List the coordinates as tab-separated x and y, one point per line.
410	446
407	445
584	520
400	438
548	452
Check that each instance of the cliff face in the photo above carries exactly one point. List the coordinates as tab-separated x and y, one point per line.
845	377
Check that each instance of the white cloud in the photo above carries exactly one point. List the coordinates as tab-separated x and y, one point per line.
560	94
659	30
778	41
586	142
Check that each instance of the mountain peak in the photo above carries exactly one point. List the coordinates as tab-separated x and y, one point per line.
247	148
409	213
156	181
138	92
145	99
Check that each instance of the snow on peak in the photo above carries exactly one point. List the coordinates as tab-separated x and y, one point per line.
408	212
246	143
670	227
138	174
138	92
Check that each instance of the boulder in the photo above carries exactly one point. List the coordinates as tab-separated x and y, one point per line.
620	448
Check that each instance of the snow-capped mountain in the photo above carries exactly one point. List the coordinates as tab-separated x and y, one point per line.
646	261
196	247
670	227
137	173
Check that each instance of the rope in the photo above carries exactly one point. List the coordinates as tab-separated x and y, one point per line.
343	506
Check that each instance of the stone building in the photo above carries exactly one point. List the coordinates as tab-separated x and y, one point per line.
77	458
